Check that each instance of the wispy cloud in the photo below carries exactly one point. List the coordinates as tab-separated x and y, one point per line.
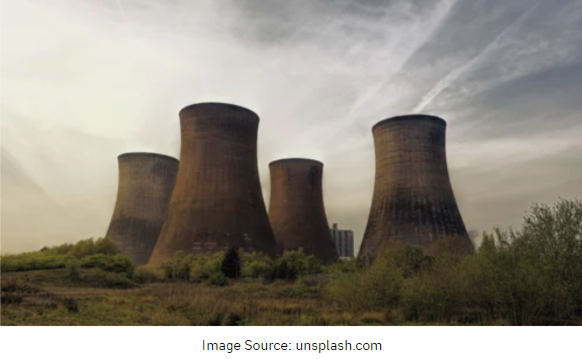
452	76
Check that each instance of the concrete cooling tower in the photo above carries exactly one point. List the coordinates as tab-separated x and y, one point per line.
413	198
296	210
146	182
217	201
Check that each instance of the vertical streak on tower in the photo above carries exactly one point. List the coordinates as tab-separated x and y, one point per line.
296	210
413	198
146	182
217	201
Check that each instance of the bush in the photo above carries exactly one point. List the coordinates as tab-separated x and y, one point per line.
116	263
436	295
97	277
290	266
179	266
376	289
57	257
255	265
217	280
143	274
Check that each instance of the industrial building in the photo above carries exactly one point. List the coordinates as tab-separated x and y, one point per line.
217	201
146	182
413	198
344	241
296	209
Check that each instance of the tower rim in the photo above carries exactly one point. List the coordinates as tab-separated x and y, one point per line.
294	160
220	104
146	154
409	117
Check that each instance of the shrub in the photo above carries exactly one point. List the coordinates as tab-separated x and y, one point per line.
290	266
378	288
255	265
57	257
179	266
97	277
312	265
116	263
143	274
436	295
217	280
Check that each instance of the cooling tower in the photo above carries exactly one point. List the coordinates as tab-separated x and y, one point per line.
146	182
413	198
217	201
296	209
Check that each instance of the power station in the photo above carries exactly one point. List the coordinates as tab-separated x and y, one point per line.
413	199
146	182
296	209
217	201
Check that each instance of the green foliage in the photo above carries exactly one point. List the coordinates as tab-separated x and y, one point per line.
255	265
231	264
373	289
179	266
352	265
437	294
291	266
217	280
33	261
59	256
528	277
116	263
144	274
312	265
90	247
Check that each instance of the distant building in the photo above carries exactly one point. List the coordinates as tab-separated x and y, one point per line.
344	241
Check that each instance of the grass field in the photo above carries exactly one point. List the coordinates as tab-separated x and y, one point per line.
528	277
48	297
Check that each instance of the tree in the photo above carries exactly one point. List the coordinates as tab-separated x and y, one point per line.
231	263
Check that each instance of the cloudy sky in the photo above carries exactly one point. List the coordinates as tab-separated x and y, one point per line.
86	80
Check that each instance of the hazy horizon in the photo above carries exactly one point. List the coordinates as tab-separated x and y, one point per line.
84	81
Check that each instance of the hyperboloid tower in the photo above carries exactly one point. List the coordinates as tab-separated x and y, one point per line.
217	201
413	199
296	210
146	182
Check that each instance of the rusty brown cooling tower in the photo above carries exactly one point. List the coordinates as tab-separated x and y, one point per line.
217	200
296	209
413	198
146	182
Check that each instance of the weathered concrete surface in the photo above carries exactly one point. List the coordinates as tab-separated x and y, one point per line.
413	198
296	210
217	200
146	182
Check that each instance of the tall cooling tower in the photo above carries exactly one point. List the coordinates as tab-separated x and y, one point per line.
413	198
146	182
296	209
217	201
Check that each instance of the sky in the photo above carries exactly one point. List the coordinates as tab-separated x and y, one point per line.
86	80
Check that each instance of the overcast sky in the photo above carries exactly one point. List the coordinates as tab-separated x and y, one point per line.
86	80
